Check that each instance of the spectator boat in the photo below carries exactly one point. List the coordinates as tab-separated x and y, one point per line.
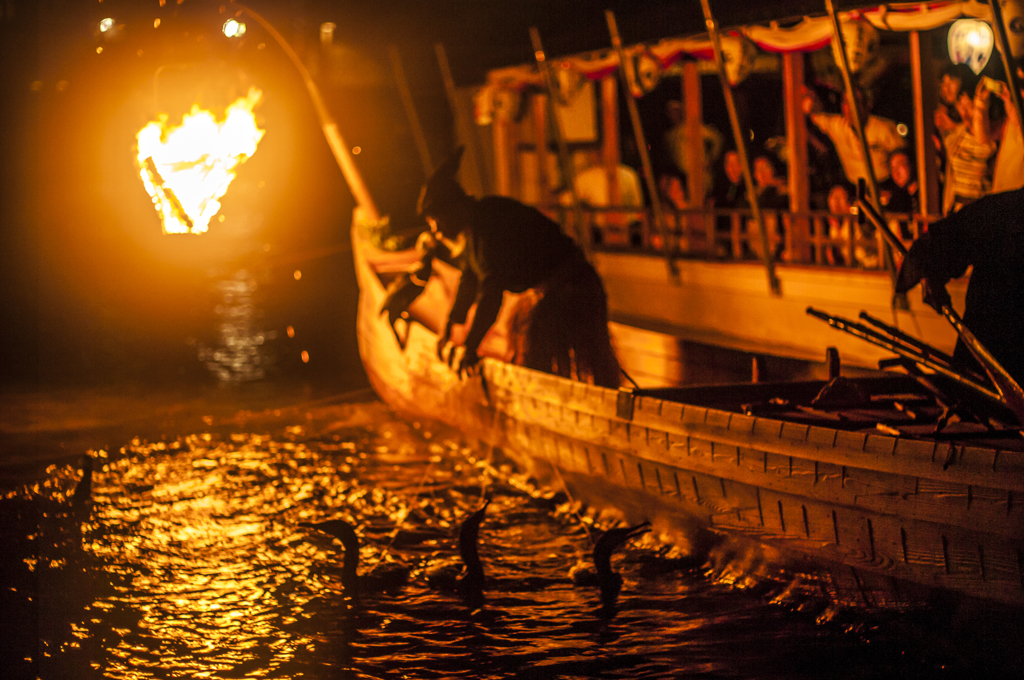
688	300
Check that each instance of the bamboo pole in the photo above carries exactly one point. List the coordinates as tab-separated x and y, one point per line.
1004	49
839	52
568	172
796	151
410	111
741	148
327	123
461	125
638	132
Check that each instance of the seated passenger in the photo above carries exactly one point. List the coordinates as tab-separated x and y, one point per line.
898	194
843	226
729	194
594	190
771	198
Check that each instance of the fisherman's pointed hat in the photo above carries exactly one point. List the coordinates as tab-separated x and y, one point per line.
442	190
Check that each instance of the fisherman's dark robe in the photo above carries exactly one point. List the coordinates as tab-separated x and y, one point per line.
988	234
514	247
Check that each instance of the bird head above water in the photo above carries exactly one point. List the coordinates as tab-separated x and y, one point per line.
382	577
610	541
470	584
344	532
469	536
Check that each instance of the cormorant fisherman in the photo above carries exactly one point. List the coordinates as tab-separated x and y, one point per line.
988	234
603	575
469	584
382	578
501	245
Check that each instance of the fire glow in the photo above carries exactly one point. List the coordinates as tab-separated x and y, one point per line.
188	168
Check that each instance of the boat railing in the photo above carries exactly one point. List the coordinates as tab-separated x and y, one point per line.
816	237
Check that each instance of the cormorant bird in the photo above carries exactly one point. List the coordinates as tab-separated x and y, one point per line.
81	499
469	584
384	577
603	576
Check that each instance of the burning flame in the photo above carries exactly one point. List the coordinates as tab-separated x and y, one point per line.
186	169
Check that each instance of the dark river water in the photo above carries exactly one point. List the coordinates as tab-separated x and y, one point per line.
192	564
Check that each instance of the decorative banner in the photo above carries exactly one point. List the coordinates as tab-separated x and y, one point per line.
970	42
648	71
643	70
506	104
568	82
483	106
861	40
738	53
188	168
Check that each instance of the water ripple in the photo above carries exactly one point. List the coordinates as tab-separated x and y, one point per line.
193	564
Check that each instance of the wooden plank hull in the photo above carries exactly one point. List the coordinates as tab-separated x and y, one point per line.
867	508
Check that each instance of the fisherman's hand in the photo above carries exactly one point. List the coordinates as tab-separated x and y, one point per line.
936	296
443	342
468	363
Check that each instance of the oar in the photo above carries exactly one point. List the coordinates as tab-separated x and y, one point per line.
927	349
875	338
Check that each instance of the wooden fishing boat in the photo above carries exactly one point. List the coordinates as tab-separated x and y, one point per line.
862	491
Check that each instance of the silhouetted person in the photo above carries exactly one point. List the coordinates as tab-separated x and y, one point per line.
503	245
988	234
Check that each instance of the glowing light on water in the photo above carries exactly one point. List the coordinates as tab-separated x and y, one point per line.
241	354
106	25
188	168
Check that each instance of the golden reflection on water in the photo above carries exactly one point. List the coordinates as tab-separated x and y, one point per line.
201	542
193	564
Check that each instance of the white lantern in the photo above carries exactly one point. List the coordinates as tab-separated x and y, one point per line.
970	42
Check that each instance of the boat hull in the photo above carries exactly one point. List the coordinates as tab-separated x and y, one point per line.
877	515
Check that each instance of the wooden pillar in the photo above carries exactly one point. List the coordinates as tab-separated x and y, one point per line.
924	76
540	144
694	120
503	153
611	155
796	148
